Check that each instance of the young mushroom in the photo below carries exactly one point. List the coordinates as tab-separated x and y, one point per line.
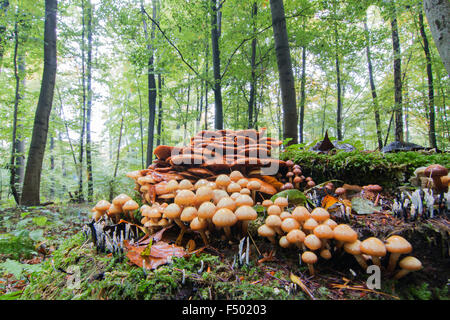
373	247
324	233
206	212
283	242
128	208
274	210
301	214
267	232
235	176
173	211
101	207
254	186
397	246
274	222
225	218
435	172
312	242
309	258
344	233
320	214
353	248
200	226
222	181
297	237
245	214
408	264
282	202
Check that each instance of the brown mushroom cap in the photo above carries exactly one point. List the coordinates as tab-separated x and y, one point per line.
172	211
323	231
130	205
245	212
274	210
113	210
373	187
198	224
267	203
206	210
273	221
326	254
331	223
235	176
340	191
203	194
282	202
320	214
254	185
120	200
435	170
102	206
245	191
243	182
222	181
185	184
353	248
410	263
285	215
185	198
226	202
345	233
224	218
312	242
398	244
244	200
172	185
309	257
283	242
289	224
266	231
372	246
301	214
310	224
201	183
188	214
296	236
218	194
233	187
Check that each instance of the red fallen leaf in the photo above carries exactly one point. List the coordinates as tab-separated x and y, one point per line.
160	253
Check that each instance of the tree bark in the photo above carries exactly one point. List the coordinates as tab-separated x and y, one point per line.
397	76
252	100
438	16
286	76
302	96
4	5
83	107
339	89
218	117
372	87
160	110
89	105
32	182
431	111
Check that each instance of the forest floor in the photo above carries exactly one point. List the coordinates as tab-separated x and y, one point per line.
40	247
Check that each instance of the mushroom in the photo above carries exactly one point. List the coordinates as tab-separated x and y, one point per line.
203	194
297	181
267	232
326	254
273	210
245	191
206	212
297	237
283	242
218	194
373	247
312	242
101	207
282	202
120	200
243	182
289	224
235	176
244	200
173	211
310	184
301	214
185	184
320	214
172	186
200	226
435	172
287	186
324	233
341	193
222	181
344	233
353	248
200	183
373	192
245	213
331	223
114	212
408	264
285	215
309	258
128	208
224	218
254	186
396	245
274	222
226	202
233	187
309	225
266	204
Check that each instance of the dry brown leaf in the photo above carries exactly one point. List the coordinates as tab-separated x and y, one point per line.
160	253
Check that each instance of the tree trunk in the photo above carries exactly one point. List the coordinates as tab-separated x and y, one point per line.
160	110
32	182
206	85
285	73
83	107
4	5
438	16
52	167
89	105
431	111
397	76
218	117
339	90
302	96
252	100
372	88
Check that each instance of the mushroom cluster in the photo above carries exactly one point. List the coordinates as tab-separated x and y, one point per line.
121	206
294	178
209	154
316	233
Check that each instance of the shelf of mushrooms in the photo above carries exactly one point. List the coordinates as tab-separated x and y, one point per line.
316	235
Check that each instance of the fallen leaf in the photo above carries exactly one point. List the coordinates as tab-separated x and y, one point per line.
328	201
294	196
299	282
363	206
160	253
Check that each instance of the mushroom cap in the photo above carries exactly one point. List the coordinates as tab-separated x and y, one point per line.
130	205
206	210
244	200
226	202
373	187
113	210
233	187
310	224
120	200
203	194
312	242
323	231
289	224
235	195
185	198
245	191
172	211
224	218
297	179
246	213
172	185
320	214
283	242
151	212
267	203
398	244
410	263
223	180
282	202
340	191
353	247
143	207
274	210
311	184
296	236
236	175
242	182
326	254
102	205
185	184
345	233
273	221
266	231
201	183
197	224
435	170
188	214
285	215
373	247
254	185
309	257
134	174
218	194
301	214
331	223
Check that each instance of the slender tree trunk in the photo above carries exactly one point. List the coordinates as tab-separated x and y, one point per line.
32	181
116	167
218	117
206	84
141	126
372	88
285	73
151	88
52	167
83	108
302	96
160	110
187	109
438	16
89	105
252	100
4	5
397	76
339	90
431	111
